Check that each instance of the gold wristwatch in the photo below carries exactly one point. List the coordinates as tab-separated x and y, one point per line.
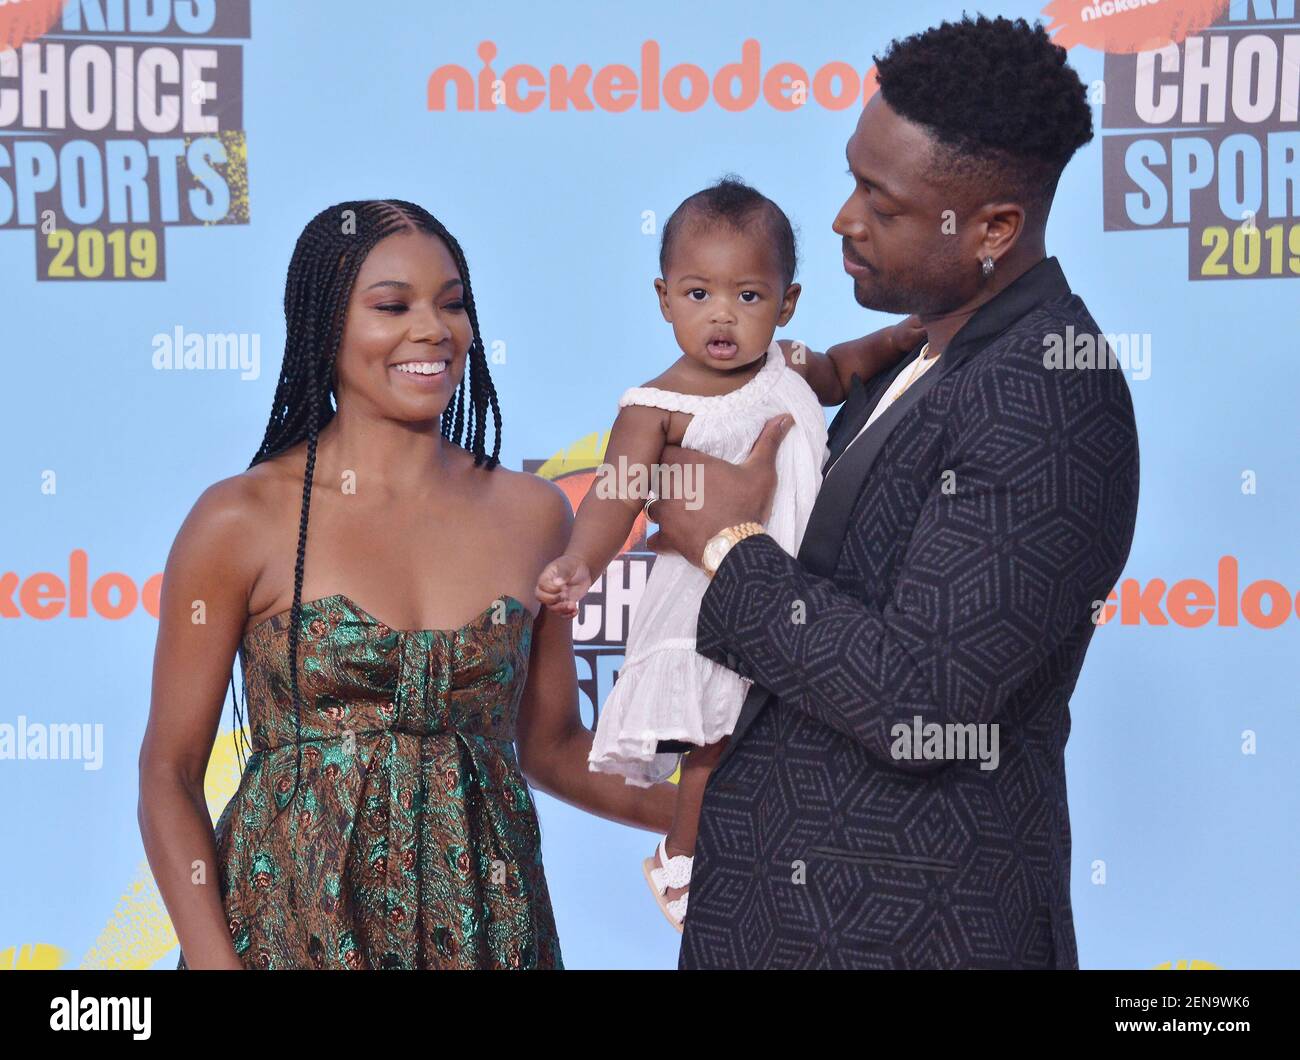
721	543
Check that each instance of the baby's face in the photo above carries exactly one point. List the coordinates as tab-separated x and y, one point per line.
724	296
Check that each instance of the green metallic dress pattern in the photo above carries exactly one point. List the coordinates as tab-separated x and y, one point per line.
413	841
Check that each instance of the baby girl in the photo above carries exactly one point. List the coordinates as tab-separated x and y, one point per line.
727	259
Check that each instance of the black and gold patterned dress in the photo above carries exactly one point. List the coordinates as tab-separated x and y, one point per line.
413	840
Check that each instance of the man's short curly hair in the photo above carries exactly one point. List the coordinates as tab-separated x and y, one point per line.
1005	109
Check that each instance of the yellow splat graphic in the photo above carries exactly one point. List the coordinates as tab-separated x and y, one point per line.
582	455
32	957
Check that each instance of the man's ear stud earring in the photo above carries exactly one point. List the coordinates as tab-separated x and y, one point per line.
987	266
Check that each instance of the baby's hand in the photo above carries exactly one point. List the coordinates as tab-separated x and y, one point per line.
563	583
904	335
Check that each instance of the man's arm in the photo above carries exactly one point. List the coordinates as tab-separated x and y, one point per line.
999	570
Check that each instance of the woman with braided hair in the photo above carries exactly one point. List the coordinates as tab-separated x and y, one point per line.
383	819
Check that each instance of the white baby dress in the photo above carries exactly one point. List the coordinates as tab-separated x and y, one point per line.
665	689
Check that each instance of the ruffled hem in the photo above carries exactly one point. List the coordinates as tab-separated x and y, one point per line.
672	693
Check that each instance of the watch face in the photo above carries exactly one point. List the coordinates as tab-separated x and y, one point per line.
714	551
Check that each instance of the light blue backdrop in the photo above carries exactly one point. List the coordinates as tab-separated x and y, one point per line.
1198	839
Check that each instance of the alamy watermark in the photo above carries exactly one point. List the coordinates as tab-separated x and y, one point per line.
1131	352
636	481
197	350
952	741
72	741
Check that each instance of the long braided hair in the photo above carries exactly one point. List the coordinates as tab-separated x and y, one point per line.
328	255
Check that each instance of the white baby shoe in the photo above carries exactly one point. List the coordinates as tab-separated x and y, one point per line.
662	872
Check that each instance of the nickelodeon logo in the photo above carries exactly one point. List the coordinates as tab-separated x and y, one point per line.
45	595
615	87
1191	602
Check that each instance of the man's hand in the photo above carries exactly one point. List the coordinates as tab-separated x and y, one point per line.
727	493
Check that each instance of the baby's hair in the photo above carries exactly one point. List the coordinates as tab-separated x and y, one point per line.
733	204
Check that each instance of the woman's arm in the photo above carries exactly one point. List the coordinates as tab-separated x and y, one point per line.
553	743
203	609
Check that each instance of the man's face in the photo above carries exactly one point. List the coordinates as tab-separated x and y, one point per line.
904	252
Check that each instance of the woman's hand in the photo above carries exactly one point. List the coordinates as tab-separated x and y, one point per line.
563	584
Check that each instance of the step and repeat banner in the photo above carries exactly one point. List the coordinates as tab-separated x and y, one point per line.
158	159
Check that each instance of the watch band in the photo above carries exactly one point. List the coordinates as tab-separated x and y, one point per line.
734	535
743	530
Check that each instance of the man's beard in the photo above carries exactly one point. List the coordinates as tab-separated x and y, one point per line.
929	294
885	298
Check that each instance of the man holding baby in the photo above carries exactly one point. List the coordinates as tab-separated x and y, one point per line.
976	504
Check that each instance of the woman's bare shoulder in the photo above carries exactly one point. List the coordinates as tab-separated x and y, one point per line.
252	494
525	499
526	493
233	520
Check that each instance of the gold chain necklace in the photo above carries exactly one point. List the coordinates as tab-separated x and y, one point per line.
916	371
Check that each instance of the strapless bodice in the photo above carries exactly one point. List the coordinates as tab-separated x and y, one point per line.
356	674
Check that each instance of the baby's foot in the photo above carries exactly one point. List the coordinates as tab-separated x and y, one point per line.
669	876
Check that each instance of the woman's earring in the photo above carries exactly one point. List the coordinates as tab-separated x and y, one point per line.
987	266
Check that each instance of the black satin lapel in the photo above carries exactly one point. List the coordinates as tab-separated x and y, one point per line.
829	520
836	433
853	401
857	409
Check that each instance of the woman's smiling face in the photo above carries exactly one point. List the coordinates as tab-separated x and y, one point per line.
407	331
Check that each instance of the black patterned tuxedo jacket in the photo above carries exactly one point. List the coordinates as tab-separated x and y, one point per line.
949	572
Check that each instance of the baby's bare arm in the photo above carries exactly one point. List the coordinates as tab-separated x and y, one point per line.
830	374
818	370
607	512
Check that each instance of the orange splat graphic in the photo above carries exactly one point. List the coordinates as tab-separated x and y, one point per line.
22	22
1139	29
